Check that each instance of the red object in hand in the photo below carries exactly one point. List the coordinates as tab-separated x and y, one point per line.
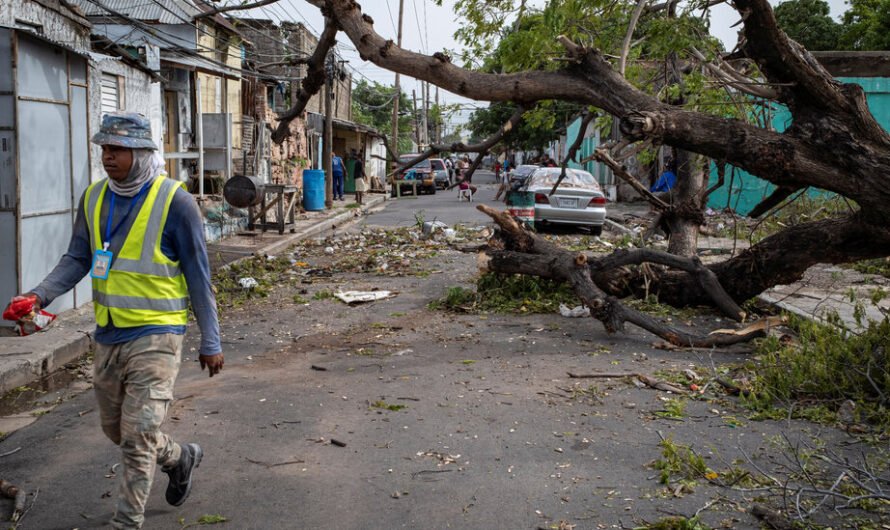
25	311
20	307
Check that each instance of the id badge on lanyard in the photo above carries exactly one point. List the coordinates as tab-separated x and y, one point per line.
101	263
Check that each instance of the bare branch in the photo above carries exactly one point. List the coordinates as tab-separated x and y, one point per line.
603	156
573	149
628	37
313	82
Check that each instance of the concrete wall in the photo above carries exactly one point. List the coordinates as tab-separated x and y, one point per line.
49	19
140	95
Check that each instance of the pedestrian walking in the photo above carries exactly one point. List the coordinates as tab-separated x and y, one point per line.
140	237
361	181
339	172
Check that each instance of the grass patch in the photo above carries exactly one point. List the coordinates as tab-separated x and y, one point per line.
300	299
353	206
324	294
874	266
380	404
827	366
508	293
203	521
675	523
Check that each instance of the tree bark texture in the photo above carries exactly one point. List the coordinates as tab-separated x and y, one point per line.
833	143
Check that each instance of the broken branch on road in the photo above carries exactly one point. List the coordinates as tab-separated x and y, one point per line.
524	252
651	382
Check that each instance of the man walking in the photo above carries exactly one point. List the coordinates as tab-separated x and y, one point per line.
140	237
339	176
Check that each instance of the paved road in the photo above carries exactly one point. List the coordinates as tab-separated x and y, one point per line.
449	420
443	206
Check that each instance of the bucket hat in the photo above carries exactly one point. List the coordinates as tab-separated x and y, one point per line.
125	129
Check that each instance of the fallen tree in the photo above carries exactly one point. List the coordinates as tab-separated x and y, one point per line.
833	143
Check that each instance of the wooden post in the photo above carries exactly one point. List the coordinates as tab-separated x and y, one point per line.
328	139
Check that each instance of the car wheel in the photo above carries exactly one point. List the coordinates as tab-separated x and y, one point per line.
433	189
596	230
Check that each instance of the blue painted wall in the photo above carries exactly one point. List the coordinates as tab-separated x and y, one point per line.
747	190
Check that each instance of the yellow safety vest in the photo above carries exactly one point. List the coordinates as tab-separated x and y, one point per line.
144	287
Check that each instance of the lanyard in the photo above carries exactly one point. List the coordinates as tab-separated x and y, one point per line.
109	233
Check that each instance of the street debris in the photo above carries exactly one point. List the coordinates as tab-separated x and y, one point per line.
575	312
338	443
643	379
360	297
10	491
248	283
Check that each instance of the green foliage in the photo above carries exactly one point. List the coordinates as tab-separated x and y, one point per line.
675	523
866	25
380	404
673	408
679	462
874	266
372	106
827	366
502	293
809	23
323	294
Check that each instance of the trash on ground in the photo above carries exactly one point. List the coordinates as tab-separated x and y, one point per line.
360	297
248	283
576	312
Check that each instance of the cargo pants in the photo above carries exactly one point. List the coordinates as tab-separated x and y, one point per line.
134	389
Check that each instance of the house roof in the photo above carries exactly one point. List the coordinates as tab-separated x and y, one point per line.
159	11
855	63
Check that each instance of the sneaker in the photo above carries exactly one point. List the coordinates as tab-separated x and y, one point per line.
181	474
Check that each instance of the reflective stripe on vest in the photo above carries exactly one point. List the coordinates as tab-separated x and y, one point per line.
144	287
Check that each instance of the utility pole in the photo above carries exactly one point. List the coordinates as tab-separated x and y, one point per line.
438	129
417	136
397	96
425	119
328	138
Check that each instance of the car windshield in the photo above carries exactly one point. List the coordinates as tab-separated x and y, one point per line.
524	171
404	159
575	178
438	165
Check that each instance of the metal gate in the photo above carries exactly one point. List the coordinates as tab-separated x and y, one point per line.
44	159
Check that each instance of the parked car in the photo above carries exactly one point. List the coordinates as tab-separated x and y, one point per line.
440	173
519	174
578	199
422	172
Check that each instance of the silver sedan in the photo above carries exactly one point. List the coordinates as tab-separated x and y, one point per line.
578	199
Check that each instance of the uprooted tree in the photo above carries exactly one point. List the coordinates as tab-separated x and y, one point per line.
833	143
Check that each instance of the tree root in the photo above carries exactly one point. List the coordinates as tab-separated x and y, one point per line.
526	253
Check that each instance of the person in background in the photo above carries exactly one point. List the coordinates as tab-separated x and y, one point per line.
140	236
361	181
339	174
667	180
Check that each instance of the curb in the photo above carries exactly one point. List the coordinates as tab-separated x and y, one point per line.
321	226
24	360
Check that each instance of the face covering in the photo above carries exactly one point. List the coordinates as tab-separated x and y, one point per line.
147	164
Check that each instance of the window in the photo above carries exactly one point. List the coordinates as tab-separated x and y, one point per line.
112	93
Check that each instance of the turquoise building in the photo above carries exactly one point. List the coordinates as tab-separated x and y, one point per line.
742	191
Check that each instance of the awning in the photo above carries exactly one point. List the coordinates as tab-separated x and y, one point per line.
191	62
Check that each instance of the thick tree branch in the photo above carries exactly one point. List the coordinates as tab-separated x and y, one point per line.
776	197
603	156
315	79
528	254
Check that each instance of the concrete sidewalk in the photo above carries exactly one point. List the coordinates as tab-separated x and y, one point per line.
27	359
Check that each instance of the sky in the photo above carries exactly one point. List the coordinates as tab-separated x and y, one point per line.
428	28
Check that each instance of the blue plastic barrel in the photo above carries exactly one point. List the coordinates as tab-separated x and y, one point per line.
313	190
